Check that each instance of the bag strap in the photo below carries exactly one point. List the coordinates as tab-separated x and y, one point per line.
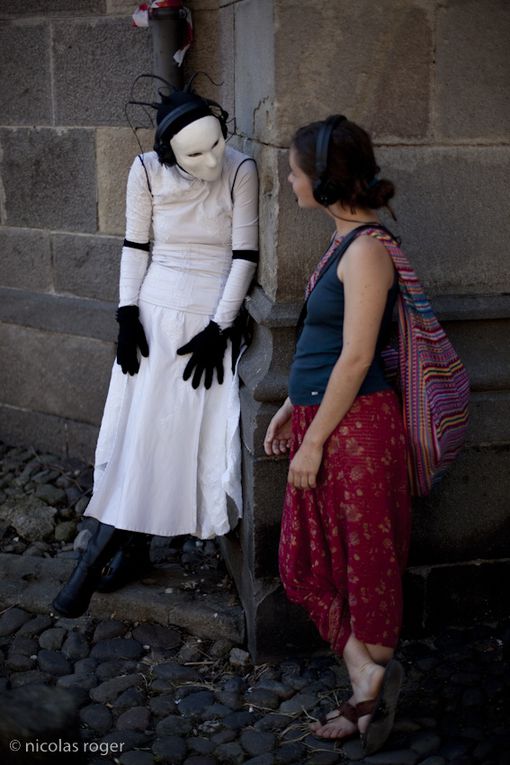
336	256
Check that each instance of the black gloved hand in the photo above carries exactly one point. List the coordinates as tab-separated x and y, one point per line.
131	337
207	350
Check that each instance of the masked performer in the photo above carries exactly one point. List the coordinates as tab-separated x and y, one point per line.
168	452
346	521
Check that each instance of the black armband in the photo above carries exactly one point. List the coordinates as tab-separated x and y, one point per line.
251	255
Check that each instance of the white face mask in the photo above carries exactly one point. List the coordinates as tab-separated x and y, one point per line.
199	148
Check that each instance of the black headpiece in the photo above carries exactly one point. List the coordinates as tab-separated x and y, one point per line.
325	191
175	111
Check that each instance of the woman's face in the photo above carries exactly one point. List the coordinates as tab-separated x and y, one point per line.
300	182
199	148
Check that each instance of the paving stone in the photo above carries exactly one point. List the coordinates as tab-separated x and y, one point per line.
434	761
35	625
32	677
231	699
200	759
173	725
323	758
238	720
52	639
12	619
157	636
230	753
50	494
398	757
239	658
261	759
86	680
108	670
98	717
110	689
256	742
173	673
353	750
85	666
106	630
24	645
272	722
216	712
76	646
163	704
53	662
17	662
220	648
169	749
65	531
136	758
137	718
117	648
200	745
281	690
425	743
132	697
290	753
193	705
260	697
128	738
296	704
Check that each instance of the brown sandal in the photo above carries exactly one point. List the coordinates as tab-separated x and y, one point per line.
382	709
344	710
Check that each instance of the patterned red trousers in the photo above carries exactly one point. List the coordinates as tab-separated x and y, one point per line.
344	544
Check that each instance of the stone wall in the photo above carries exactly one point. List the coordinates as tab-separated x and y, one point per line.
428	78
65	150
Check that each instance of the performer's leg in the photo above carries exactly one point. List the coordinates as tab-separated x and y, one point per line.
74	598
130	562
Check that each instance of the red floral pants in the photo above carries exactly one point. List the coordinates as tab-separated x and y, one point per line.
344	544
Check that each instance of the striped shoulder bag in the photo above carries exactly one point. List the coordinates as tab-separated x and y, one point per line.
429	375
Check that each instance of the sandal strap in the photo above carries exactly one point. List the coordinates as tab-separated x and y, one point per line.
366	707
349	712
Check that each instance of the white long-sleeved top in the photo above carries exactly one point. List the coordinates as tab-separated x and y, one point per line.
196	225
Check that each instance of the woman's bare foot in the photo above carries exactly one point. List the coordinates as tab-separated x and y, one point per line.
338	725
366	684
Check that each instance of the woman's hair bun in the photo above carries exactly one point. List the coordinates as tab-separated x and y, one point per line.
377	194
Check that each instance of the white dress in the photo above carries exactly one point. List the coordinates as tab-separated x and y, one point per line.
168	455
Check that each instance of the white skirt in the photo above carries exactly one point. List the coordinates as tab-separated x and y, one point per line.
168	455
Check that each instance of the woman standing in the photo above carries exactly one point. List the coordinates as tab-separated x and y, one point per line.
168	452
346	520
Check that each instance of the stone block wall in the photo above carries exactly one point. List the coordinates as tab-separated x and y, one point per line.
65	151
428	80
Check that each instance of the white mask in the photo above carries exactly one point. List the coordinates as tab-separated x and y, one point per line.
199	148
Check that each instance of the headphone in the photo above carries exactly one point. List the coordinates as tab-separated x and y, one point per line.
325	191
163	148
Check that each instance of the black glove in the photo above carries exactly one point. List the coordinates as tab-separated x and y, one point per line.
207	350
131	337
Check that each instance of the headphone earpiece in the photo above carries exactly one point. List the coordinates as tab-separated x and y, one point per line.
325	191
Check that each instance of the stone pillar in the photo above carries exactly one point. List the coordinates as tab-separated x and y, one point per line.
411	73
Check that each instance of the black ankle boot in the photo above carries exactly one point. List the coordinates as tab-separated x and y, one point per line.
74	598
130	562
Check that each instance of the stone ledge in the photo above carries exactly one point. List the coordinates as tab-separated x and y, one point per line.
32	583
56	313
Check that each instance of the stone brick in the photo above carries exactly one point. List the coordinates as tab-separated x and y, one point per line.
95	63
87	265
81	440
116	151
49	178
467	516
453	238
459	595
489	416
53	373
42	431
473	76
26	259
52	8
25	97
254	62
483	347
86	318
322	65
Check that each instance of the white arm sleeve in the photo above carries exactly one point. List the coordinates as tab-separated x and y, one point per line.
244	237
133	264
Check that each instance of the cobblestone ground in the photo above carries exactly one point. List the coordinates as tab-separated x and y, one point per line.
145	693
